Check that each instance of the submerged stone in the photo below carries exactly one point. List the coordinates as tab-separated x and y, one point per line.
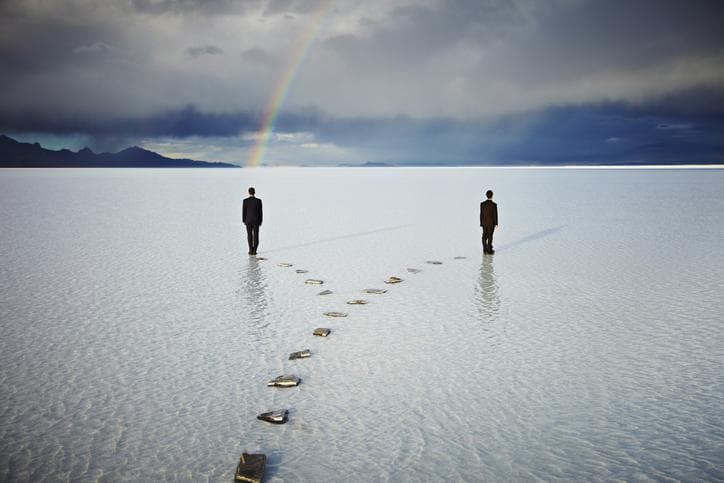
357	302
374	290
284	381
275	417
299	270
335	314
300	354
251	468
414	270
314	281
434	262
460	258
321	332
261	258
325	292
393	280
284	264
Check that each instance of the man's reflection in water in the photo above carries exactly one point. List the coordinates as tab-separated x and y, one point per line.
487	291
254	292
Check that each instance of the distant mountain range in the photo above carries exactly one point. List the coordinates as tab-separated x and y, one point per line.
14	154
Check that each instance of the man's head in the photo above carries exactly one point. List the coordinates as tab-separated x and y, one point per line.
252	191
488	193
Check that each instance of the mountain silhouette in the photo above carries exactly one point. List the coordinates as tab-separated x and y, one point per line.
14	154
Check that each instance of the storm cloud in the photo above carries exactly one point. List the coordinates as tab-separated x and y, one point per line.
455	71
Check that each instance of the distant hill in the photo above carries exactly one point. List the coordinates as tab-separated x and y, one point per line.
14	154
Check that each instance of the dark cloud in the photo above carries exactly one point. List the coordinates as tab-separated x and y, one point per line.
400	78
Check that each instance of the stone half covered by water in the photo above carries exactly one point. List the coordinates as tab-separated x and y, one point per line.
284	381
335	314
300	354
250	468
278	416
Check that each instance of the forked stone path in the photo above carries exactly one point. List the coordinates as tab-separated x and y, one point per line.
251	466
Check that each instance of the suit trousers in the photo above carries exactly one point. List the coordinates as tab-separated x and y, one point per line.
488	238
252	236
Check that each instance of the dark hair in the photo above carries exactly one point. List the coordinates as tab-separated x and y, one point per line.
252	190
489	193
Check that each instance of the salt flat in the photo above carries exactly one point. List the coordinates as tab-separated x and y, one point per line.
137	336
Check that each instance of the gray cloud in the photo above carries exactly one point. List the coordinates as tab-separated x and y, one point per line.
110	63
100	48
204	50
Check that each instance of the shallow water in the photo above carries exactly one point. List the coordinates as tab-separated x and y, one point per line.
137	337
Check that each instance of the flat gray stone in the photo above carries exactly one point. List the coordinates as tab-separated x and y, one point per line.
300	354
335	314
325	292
357	302
321	332
414	270
299	270
284	264
250	468
460	258
284	381
275	417
374	290
434	262
314	281
393	280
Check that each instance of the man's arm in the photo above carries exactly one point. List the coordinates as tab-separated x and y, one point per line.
481	214
495	215
243	212
261	213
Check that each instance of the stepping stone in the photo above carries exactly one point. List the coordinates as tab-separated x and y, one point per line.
275	417
460	258
284	264
393	280
414	270
299	270
357	302
374	290
321	332
335	314
300	354
251	468
433	262
261	258
314	281
284	381
325	292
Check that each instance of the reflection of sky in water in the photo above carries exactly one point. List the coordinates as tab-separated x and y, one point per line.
137	336
254	292
486	292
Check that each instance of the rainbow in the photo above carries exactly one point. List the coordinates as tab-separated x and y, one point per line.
281	90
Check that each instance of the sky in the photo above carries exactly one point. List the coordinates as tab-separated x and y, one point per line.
327	82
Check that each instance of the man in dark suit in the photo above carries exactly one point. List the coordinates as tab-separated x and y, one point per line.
251	216
488	220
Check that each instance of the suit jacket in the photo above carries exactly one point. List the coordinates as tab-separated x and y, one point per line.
488	214
251	213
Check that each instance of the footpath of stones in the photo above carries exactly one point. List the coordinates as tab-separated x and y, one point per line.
251	466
